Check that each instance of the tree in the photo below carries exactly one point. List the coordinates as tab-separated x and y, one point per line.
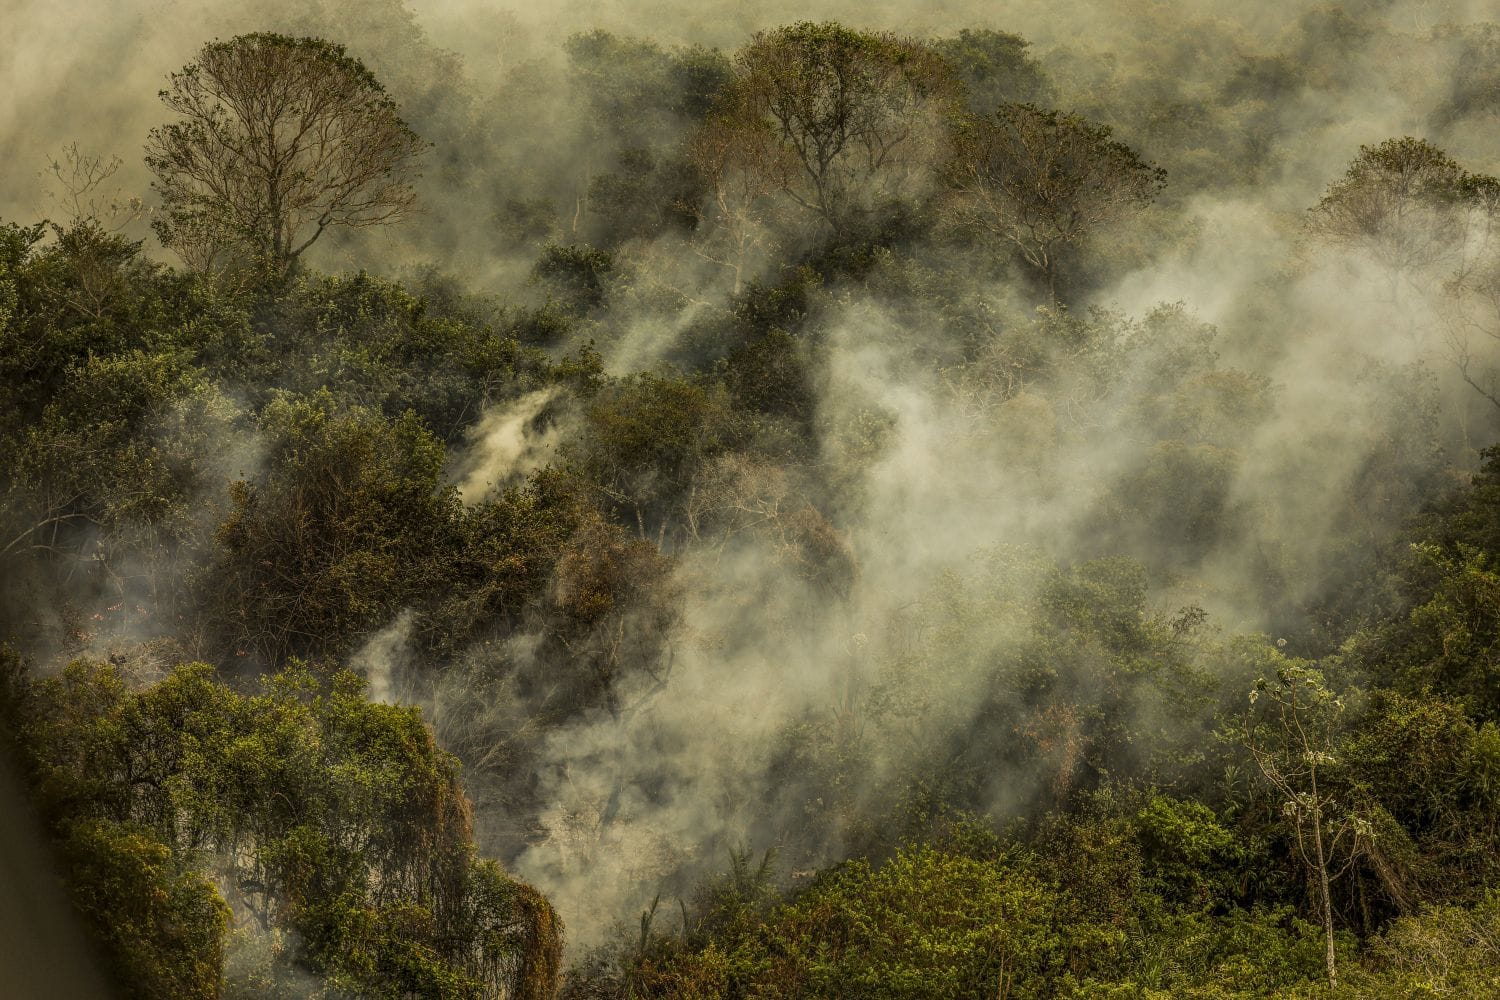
1293	742
1471	310
162	925
1395	204
111	467
1412	209
858	115
78	190
279	139
640	101
647	436
1043	180
1447	950
348	522
994	68
334	825
741	169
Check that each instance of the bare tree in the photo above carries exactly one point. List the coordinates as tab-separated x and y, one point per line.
279	139
78	190
1042	180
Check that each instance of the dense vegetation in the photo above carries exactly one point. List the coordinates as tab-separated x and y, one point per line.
750	518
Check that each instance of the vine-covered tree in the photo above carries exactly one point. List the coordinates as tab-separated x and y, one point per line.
304	827
278	139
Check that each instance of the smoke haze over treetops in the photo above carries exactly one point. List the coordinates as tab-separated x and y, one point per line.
833	494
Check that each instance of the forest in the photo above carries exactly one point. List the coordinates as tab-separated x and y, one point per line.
672	500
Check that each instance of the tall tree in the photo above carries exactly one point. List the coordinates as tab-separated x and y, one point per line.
1471	310
1409	207
859	115
1293	740
741	170
1396	204
1043	180
278	139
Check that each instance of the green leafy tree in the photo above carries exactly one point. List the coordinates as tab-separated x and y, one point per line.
647	435
924	924
336	827
347	524
162	924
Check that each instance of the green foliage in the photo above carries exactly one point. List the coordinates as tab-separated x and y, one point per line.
1445	951
161	923
503	559
383	346
934	922
125	443
1449	627
577	275
1078	679
923	924
329	820
347	524
633	87
647	435
1025	772
89	293
994	68
1190	856
1179	499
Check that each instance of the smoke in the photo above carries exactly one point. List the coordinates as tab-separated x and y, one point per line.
1291	396
642	802
506	445
384	658
1286	396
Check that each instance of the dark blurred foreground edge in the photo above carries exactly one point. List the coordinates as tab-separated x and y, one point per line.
43	952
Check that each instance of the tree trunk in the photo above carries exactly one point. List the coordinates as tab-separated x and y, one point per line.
1326	894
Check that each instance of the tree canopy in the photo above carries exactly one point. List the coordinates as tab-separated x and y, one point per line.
855	116
819	517
277	139
1044	180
